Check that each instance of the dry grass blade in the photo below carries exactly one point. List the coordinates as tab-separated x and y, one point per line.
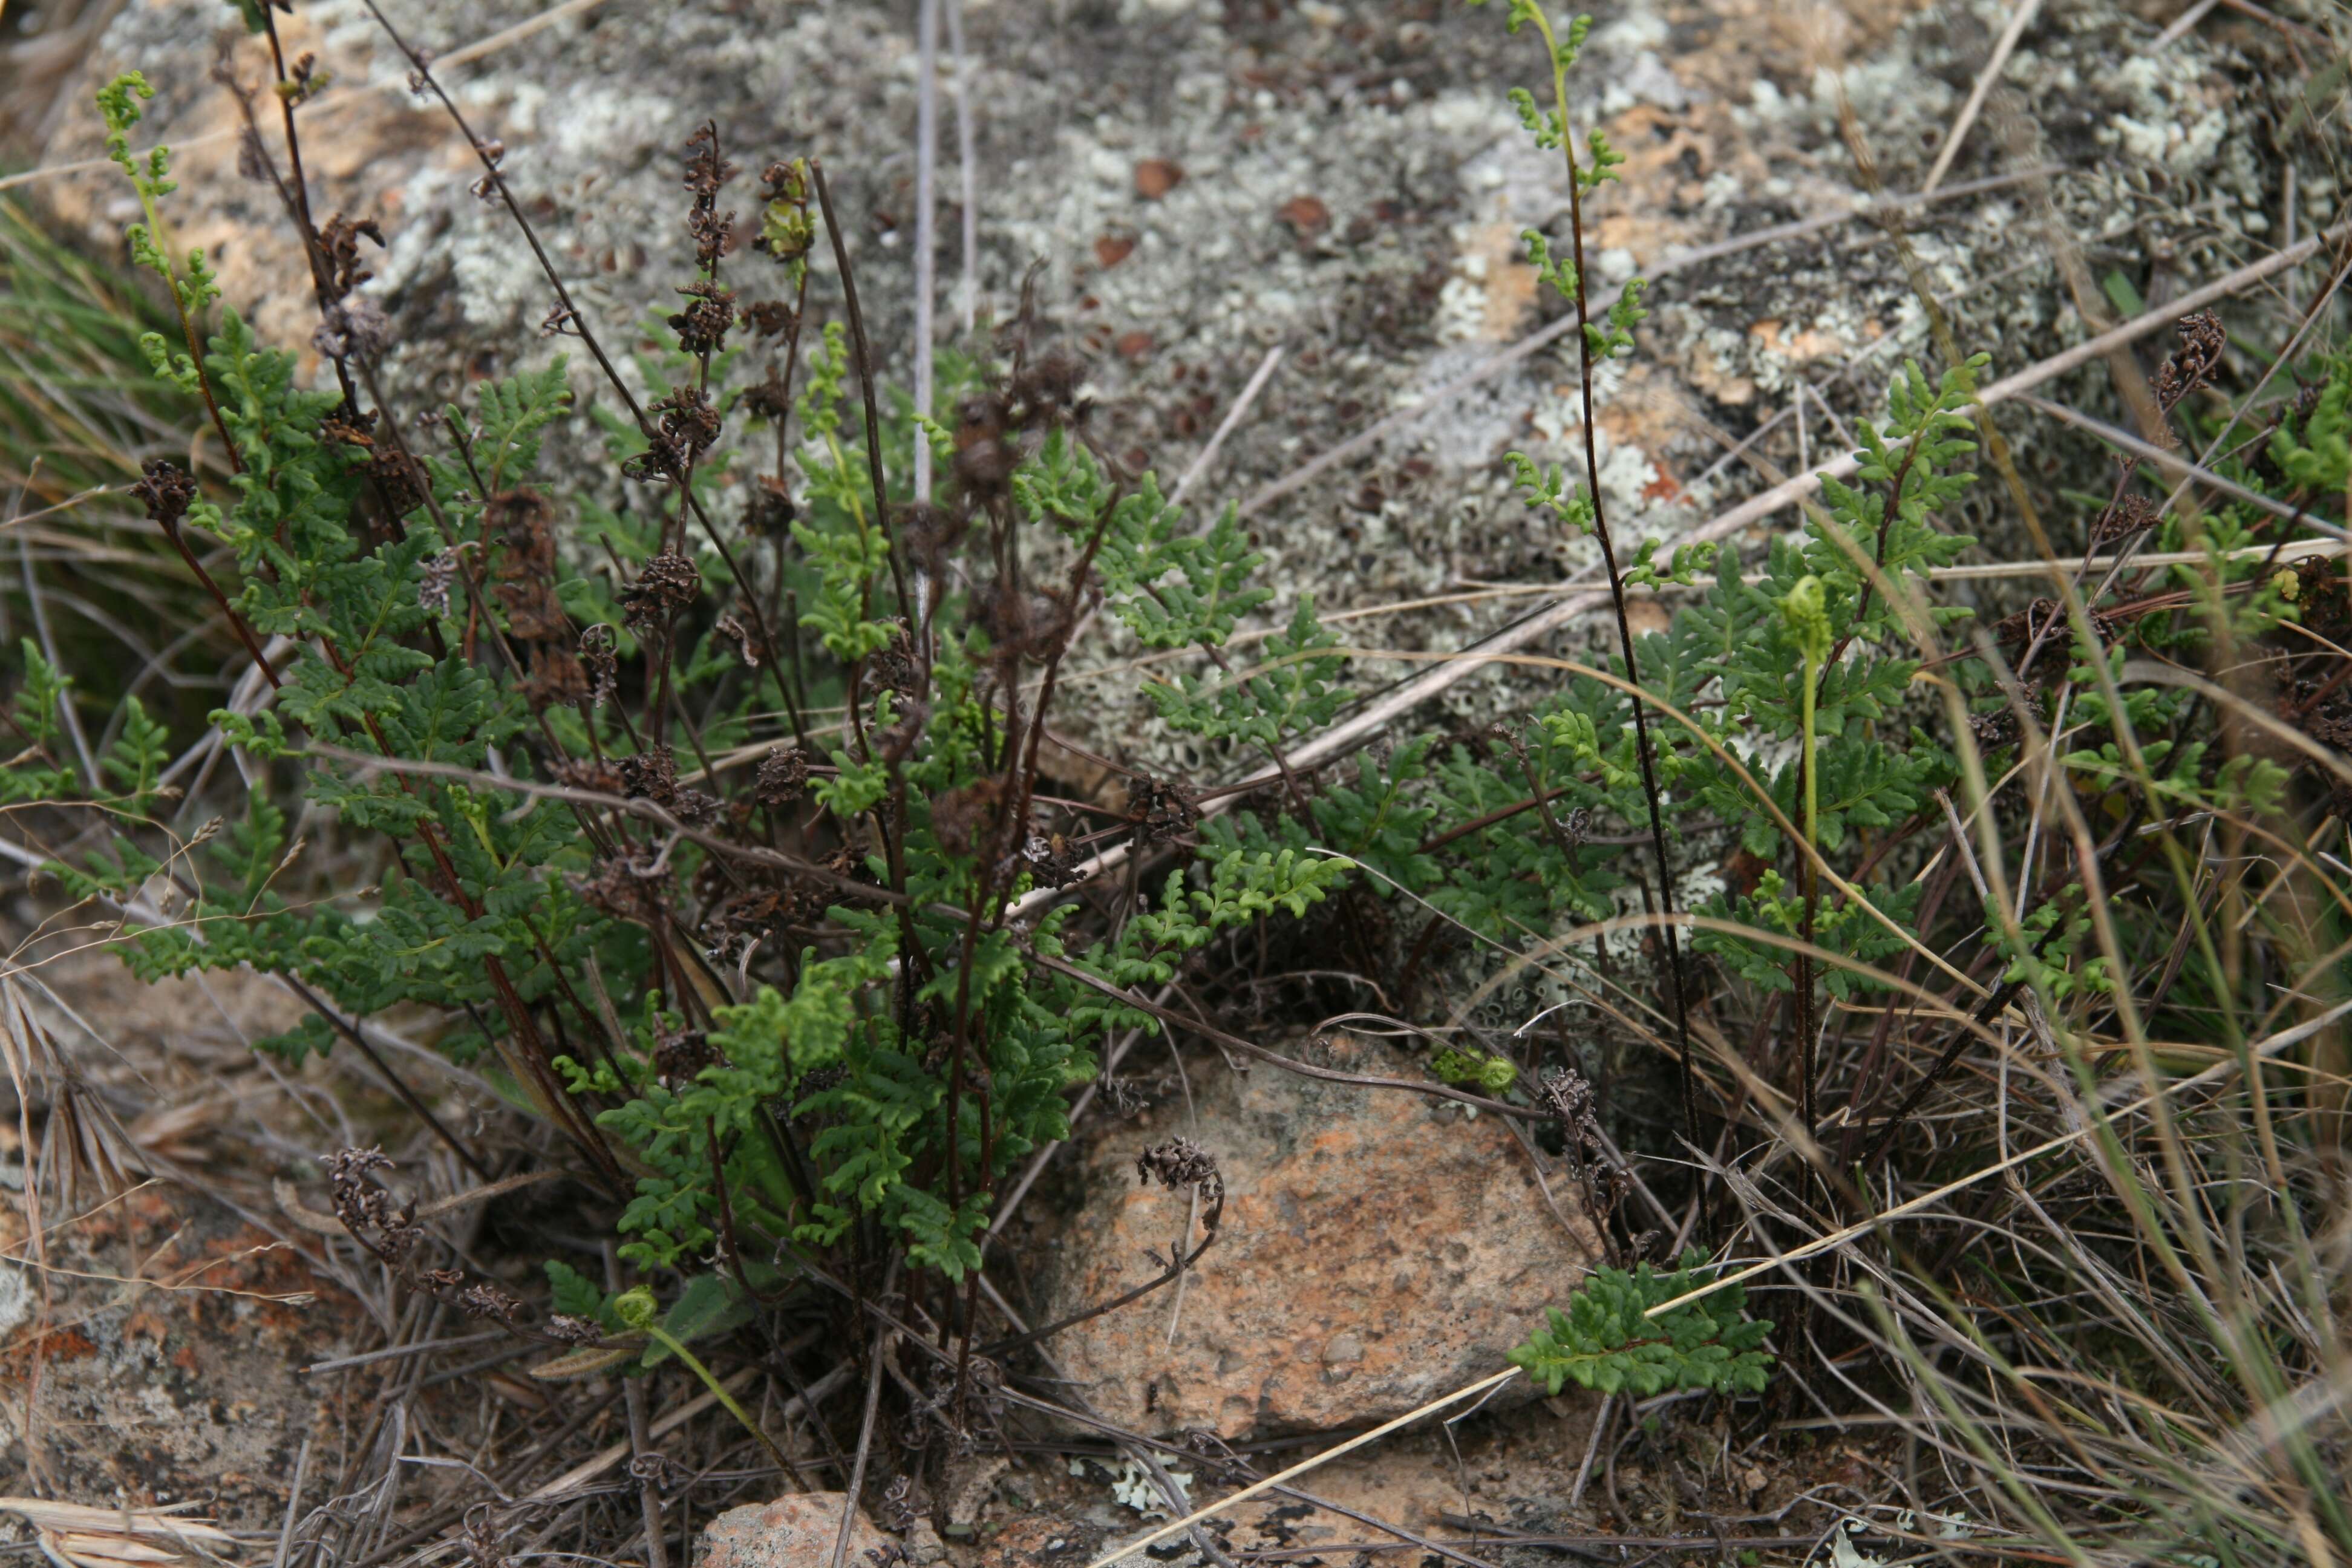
79	1536
2019	20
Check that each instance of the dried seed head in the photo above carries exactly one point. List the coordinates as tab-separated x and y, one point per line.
1179	1162
2191	365
626	890
1160	810
555	679
769	510
701	326
600	657
2132	514
166	492
338	244
664	587
783	775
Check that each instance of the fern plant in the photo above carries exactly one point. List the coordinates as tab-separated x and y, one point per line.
706	809
768	991
1614	1338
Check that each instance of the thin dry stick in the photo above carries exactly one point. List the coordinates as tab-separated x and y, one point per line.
927	149
2174	463
2182	23
1200	465
2269	1047
580	1475
968	159
293	1503
2018	21
640	1442
856	1481
1592	1448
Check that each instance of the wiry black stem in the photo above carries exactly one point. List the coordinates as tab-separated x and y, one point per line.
1626	642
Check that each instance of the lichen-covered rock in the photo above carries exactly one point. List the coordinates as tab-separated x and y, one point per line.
1377	1249
794	1532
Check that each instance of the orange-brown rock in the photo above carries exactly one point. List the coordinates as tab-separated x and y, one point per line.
1378	1249
794	1531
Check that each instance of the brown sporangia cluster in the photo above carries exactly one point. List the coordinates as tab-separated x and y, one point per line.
706	172
1160	812
524	522
1025	622
734	920
600	775
2332	728
375	1220
1601	1180
627	889
2044	620
685	425
1180	1164
166	492
339	253
2128	515
1052	859
483	1547
786	232
600	657
783	776
666	585
965	821
524	585
701	326
387	1228
2323	599
1994	730
2191	365
768	506
993	429
652	774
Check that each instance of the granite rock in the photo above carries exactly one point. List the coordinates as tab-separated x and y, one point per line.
794	1531
1377	1249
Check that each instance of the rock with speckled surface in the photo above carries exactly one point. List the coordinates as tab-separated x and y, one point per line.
1377	1249
794	1531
